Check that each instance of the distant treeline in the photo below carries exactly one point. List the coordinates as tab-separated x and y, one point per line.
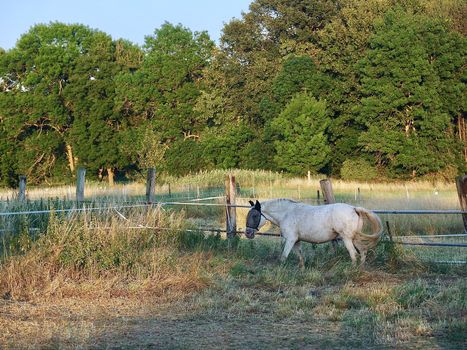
351	88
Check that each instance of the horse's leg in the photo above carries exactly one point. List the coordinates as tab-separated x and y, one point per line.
282	241
351	249
362	250
362	256
298	250
334	245
287	248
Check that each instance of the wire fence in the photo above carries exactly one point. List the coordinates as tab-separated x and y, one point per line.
452	245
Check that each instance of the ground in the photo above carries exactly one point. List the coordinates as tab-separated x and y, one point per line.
237	315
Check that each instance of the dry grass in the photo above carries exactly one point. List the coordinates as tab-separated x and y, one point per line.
262	183
209	294
94	282
92	257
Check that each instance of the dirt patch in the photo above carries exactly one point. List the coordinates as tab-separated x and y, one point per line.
123	323
185	324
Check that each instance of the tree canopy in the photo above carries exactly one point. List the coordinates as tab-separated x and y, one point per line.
293	86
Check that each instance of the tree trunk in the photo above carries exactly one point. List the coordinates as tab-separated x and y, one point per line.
110	174
462	130
71	160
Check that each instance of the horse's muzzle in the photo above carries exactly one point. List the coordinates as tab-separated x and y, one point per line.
250	232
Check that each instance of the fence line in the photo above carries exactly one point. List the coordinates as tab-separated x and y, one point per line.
229	205
433	244
437	236
194	203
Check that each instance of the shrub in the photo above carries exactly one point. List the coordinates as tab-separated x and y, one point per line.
358	169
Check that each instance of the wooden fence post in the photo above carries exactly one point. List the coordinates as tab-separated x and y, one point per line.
151	185
328	194
231	212
80	184
22	188
461	183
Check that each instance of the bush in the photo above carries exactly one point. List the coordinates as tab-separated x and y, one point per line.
184	157
358	169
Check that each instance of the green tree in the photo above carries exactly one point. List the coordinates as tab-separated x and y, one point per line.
161	94
251	53
96	130
223	145
35	114
302	142
408	130
297	74
341	43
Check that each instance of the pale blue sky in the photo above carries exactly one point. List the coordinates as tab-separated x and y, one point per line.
130	20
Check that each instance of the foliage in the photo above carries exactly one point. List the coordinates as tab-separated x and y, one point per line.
301	143
401	104
222	147
184	157
358	169
390	73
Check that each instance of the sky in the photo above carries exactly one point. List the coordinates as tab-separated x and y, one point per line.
131	20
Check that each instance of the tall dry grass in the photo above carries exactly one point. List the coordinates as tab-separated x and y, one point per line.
94	256
262	182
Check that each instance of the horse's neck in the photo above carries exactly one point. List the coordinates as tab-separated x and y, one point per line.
276	209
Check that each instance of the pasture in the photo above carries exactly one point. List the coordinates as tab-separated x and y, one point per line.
95	279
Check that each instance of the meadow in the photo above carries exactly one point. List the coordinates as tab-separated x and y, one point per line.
96	280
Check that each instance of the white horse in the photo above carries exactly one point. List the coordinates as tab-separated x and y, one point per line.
315	224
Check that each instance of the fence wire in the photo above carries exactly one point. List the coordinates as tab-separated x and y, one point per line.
439	248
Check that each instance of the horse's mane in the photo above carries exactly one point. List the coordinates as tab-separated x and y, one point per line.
285	200
278	201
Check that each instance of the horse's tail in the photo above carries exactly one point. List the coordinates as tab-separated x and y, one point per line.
376	225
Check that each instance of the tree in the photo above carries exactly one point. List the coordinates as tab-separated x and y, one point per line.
223	146
161	94
251	53
300	129
35	115
342	43
96	128
408	130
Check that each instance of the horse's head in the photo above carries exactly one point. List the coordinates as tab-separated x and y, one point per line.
254	220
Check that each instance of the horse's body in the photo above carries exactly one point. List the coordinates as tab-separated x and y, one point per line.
316	224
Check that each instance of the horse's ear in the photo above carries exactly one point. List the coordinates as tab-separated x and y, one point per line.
257	206
252	204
